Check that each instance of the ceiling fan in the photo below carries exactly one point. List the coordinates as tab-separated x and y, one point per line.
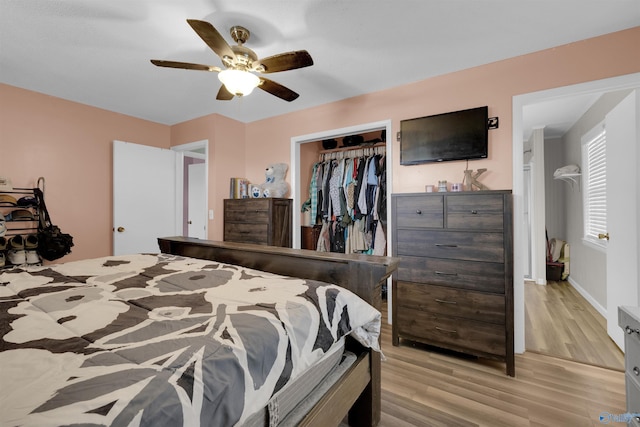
241	64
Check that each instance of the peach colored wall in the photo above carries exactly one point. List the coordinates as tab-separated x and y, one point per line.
226	158
69	144
494	85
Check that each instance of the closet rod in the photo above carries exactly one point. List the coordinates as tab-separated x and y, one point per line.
339	153
357	147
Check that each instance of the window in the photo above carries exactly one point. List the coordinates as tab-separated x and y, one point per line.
594	170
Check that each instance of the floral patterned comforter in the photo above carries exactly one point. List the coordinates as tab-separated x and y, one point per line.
161	340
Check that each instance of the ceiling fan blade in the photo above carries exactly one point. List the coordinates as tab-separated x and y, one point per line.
212	38
277	89
286	61
185	65
224	94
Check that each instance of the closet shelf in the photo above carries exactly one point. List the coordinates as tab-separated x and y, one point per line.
571	178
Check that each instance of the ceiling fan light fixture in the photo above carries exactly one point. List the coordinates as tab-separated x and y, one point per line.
238	82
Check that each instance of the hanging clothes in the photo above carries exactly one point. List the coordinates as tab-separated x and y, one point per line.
335	183
348	196
313	194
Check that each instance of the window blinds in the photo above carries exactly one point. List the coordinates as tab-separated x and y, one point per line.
595	185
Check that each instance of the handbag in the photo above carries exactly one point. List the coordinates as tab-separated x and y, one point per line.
52	242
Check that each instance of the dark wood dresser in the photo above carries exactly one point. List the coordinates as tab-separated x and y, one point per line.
309	235
454	285
264	221
629	321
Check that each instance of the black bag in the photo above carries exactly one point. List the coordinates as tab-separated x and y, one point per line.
52	243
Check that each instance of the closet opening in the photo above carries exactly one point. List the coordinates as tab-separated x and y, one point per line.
306	150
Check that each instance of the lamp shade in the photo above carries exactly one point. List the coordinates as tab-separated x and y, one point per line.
238	82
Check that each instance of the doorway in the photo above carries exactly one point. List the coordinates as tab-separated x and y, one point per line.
520	230
192	189
151	194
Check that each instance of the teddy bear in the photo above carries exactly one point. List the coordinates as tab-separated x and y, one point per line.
275	185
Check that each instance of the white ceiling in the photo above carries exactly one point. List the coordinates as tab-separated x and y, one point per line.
97	52
556	116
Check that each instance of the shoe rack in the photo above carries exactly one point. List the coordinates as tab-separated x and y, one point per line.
18	227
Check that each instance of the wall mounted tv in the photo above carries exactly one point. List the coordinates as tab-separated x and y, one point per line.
458	135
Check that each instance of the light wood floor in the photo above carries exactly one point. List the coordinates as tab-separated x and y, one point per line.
560	322
423	387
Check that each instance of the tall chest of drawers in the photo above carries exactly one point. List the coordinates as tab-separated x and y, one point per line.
629	321
454	285
265	221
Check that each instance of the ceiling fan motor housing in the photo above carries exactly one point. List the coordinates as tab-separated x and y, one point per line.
244	57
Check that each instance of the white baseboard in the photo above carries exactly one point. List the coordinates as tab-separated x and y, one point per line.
602	310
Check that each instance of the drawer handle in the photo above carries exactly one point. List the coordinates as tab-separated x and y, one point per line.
636	371
443	245
474	212
441	301
442	273
419	212
629	330
446	331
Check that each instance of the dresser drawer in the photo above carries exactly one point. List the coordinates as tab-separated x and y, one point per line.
419	211
451	244
485	277
633	394
247	210
475	212
451	332
632	353
246	233
452	302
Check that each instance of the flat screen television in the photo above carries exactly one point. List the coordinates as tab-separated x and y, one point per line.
458	135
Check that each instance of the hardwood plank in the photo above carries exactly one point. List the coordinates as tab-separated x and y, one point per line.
424	386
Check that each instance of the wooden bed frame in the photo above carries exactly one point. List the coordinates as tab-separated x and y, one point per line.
358	392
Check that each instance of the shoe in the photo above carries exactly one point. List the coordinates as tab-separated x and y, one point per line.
22	215
32	257
17	257
27	202
3	225
31	242
16	242
7	200
3	243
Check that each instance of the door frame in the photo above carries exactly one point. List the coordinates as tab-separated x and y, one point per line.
526	197
628	81
191	149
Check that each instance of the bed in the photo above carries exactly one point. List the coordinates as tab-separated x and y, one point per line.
203	333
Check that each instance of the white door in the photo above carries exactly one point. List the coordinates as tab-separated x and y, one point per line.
144	197
622	213
197	210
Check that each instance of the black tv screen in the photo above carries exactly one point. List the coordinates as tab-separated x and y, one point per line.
458	135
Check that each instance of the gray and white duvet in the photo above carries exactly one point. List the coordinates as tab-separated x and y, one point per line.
161	340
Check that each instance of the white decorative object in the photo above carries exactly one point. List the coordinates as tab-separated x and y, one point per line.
275	185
